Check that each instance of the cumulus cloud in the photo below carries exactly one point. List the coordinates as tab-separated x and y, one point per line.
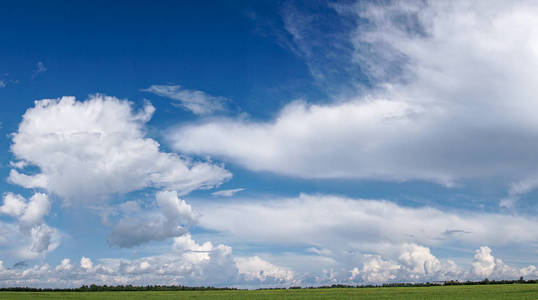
85	263
93	148
198	102
419	260
14	205
486	266
430	116
256	268
65	265
484	262
142	226
37	237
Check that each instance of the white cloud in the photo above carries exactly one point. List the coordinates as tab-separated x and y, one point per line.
375	269
198	102
40	68
13	205
85	263
35	210
338	224
255	268
144	226
189	263
65	265
34	237
227	193
419	260
437	113
205	264
2	84
94	148
486	266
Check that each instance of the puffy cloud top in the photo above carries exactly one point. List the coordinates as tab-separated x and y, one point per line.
98	147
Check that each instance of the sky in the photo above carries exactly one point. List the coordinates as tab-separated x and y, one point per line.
267	143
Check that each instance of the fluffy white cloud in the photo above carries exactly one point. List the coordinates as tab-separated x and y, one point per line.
256	268
37	237
484	262
198	102
486	266
93	148
375	269
14	205
141	226
431	116
65	265
418	259
85	263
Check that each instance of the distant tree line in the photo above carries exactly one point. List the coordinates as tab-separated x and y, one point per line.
118	288
125	288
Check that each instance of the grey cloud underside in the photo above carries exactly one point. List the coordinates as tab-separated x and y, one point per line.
144	226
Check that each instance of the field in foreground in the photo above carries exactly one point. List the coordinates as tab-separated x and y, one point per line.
505	291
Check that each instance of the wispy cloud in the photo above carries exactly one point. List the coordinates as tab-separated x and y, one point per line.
2	83
40	68
198	102
227	193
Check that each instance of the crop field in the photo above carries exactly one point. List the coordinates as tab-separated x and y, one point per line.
505	291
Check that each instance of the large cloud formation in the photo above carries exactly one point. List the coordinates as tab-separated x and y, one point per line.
98	147
453	99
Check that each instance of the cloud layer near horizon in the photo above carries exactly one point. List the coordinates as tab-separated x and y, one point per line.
194	264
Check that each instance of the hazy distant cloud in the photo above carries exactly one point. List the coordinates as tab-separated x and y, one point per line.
2	83
227	193
198	102
341	224
40	68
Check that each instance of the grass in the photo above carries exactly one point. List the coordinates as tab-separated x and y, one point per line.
504	291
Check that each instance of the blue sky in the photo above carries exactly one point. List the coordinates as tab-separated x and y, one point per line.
267	143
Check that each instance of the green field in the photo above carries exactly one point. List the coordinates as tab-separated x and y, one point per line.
505	291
